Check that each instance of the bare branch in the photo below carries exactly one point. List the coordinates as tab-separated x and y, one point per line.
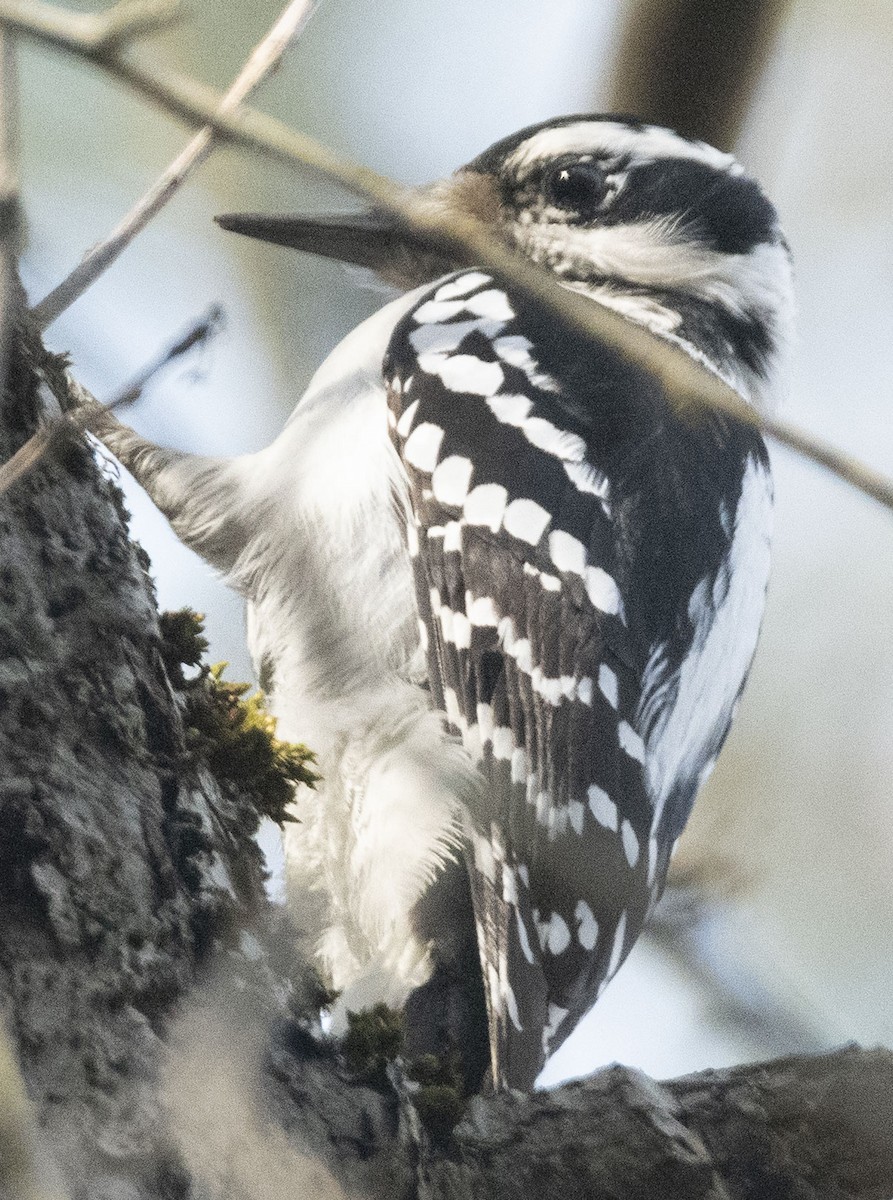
80	408
198	334
265	58
92	34
688	385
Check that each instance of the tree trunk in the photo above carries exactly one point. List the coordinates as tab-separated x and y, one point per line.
159	1009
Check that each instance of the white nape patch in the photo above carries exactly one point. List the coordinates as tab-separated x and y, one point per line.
576	813
462	286
485	505
603	808
526	520
557	442
492	304
587	926
481	610
607	684
451	479
423	445
464	373
503	743
602	590
631	846
405	423
630	742
587	478
697	705
612	139
567	553
617	949
452	537
584	690
554	934
510	409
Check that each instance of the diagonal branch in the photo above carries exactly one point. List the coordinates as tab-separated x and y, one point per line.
265	58
687	384
79	406
95	35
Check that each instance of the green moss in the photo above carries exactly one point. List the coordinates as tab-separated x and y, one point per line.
440	1100
229	729
374	1038
183	643
440	1108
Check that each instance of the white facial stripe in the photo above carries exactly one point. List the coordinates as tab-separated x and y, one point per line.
613	139
655	253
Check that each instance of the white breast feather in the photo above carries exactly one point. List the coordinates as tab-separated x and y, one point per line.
336	616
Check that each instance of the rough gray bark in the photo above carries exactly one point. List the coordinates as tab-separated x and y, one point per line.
159	1007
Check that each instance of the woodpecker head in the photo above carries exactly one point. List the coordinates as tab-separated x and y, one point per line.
666	230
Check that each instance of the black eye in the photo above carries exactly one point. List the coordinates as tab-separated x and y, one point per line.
577	186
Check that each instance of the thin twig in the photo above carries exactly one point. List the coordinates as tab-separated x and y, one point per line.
198	334
264	59
74	420
686	383
93	34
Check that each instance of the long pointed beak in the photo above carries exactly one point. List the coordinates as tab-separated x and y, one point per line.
373	239
364	239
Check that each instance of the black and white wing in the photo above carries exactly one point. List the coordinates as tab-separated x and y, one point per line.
527	571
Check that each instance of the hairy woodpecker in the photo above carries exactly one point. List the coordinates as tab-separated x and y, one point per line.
505	592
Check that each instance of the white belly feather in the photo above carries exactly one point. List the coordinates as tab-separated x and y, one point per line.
337	620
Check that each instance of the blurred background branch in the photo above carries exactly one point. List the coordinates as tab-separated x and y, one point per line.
693	65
